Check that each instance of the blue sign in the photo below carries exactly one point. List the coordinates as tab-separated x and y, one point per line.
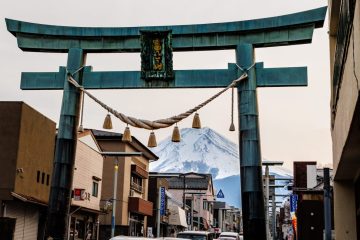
188	218
293	202
220	194
162	201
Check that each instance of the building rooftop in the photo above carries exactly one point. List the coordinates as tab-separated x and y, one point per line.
193	181
106	135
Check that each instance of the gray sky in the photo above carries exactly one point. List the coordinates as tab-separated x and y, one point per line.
294	122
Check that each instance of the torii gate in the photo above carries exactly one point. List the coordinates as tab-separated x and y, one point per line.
243	36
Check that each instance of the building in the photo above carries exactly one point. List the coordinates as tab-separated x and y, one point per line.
226	218
85	204
174	218
27	143
344	37
307	201
198	192
132	205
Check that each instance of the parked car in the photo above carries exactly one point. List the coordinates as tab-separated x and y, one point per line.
230	236
129	238
144	238
196	235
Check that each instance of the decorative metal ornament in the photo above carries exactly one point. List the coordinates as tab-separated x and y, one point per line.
156	55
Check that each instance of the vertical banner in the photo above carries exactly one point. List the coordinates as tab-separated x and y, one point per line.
188	218
293	207
162	201
293	202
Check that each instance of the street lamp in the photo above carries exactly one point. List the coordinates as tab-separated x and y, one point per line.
116	169
267	164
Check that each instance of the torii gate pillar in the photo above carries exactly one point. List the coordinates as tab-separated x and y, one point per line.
249	148
64	160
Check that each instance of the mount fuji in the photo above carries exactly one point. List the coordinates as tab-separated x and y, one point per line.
200	150
206	151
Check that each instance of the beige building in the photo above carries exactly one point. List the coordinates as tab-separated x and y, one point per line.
27	146
344	33
85	204
27	143
198	191
132	205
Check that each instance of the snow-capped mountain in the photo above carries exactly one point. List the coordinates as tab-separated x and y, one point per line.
206	151
200	150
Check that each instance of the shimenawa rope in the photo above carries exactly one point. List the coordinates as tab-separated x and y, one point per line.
161	123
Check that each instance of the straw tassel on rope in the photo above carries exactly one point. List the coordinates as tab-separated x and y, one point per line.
81	127
127	135
152	140
107	122
196	121
176	135
232	126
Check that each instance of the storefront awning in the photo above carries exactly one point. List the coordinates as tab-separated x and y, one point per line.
28	199
177	216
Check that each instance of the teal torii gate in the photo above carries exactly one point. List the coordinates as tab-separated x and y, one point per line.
243	36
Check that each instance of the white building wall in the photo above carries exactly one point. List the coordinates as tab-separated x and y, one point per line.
88	163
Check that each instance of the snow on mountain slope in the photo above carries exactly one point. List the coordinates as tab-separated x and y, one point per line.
200	150
206	151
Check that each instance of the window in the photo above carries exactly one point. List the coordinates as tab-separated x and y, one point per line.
136	183
137	180
95	189
205	207
47	179
38	176
42	178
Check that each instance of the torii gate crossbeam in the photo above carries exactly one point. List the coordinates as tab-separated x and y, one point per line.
242	36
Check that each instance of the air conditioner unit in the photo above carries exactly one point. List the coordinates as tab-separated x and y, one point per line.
132	193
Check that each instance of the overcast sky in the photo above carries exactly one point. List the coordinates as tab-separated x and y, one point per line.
294	122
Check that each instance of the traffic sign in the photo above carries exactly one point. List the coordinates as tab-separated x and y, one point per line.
220	194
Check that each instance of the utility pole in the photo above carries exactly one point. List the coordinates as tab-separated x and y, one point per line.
273	198
113	212
116	170
158	214
327	204
267	193
267	190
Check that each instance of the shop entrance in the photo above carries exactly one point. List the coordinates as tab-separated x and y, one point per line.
136	225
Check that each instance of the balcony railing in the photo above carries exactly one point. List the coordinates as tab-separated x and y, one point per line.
136	187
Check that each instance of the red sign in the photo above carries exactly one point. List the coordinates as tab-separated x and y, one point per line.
80	194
